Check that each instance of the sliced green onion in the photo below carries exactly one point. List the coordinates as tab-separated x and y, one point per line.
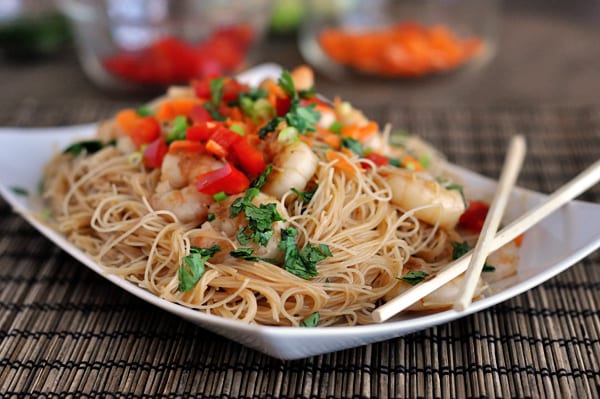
238	129
288	135
336	127
135	158
220	196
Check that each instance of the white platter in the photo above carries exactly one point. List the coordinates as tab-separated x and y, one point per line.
552	246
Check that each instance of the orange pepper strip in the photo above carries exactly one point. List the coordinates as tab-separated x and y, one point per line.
186	145
127	119
342	164
215	148
169	109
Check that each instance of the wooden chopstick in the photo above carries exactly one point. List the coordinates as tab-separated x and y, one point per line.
570	190
508	177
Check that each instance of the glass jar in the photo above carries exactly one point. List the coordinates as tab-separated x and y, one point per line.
398	38
150	44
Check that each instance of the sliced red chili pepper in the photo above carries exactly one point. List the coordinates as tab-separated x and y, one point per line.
155	153
226	179
474	217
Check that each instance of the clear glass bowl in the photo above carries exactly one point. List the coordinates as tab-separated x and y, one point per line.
398	38
147	44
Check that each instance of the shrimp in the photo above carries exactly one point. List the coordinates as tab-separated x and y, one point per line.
436	204
176	191
504	262
294	164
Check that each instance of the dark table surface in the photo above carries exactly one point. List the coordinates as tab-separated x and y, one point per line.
65	331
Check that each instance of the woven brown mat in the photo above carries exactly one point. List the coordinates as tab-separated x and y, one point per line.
64	331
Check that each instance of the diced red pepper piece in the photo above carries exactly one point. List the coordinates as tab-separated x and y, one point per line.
232	88
248	157
474	217
282	105
199	115
155	153
225	137
226	179
201	132
377	159
202	88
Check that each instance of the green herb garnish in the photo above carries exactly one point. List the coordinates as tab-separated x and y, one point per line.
461	248
192	269
353	145
178	129
414	277
262	178
144	110
306	196
336	127
311	321
89	146
459	188
19	191
220	196
302	263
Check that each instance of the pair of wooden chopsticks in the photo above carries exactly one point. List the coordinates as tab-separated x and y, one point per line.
488	240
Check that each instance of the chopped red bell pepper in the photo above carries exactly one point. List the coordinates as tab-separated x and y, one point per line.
145	130
155	153
225	137
474	217
199	115
282	105
248	157
226	179
201	132
377	159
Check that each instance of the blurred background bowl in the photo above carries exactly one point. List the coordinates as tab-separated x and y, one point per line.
398	38
149	44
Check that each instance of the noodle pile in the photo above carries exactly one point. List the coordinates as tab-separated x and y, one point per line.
100	202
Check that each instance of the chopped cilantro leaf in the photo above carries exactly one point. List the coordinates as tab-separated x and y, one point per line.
90	146
395	162
214	112
461	248
488	268
302	263
178	129
459	188
192	268
414	277
269	127
287	84
216	91
353	145
144	111
307	93
210	217
19	191
305	196
311	321
247	254
262	178
302	118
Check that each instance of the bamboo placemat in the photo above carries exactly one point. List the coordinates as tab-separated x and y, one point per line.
64	331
